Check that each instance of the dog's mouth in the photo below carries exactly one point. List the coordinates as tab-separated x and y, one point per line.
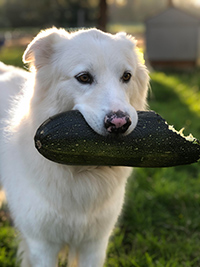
113	123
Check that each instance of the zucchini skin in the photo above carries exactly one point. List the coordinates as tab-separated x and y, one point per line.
66	138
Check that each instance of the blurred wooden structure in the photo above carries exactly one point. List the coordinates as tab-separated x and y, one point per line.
173	39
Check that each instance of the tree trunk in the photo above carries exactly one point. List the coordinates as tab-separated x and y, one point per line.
102	15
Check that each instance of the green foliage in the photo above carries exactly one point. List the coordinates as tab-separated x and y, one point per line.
7	247
19	13
8	243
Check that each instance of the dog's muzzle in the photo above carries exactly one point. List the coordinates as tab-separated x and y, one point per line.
117	122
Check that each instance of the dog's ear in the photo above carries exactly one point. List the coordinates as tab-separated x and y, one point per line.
141	77
40	50
142	80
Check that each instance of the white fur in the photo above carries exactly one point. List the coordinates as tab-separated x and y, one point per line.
11	81
53	205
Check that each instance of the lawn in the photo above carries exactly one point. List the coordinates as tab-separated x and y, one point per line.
160	222
12	55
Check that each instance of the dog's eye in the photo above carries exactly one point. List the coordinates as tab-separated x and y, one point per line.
84	77
126	77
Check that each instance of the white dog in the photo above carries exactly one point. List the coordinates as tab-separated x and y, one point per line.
52	205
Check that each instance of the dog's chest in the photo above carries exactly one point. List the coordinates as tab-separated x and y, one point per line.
84	205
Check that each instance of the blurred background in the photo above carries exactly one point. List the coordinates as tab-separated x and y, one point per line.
160	222
162	27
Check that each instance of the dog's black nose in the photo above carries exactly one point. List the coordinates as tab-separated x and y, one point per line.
117	122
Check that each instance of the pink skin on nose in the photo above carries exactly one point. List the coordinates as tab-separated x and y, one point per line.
118	122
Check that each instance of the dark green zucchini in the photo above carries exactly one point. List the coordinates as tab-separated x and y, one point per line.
67	138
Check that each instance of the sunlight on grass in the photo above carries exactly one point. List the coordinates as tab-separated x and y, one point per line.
129	28
189	95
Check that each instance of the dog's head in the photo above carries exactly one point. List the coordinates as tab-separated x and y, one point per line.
97	73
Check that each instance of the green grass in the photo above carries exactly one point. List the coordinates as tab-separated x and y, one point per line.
12	55
160	222
8	240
